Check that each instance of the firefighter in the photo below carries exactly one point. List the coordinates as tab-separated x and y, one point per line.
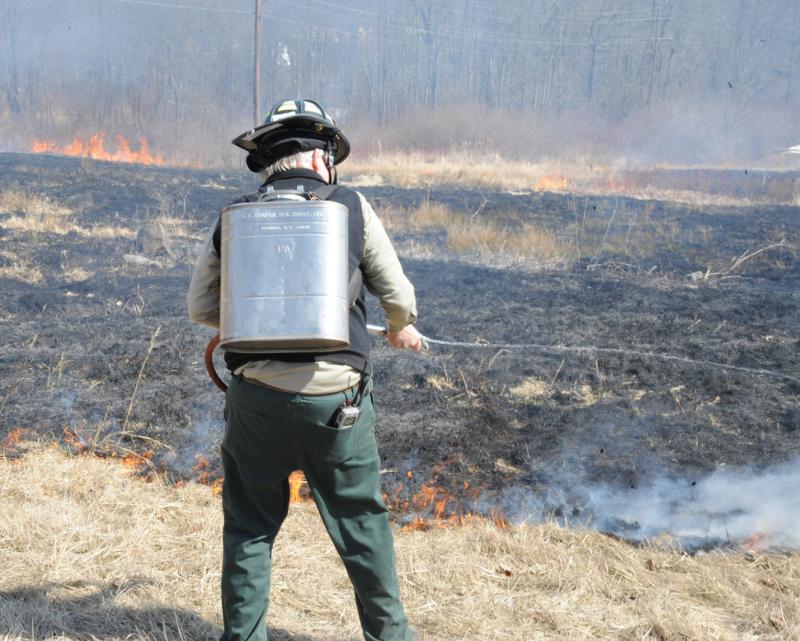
281	409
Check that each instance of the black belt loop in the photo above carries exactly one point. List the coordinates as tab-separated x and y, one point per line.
365	386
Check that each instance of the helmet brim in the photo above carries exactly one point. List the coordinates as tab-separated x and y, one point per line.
299	126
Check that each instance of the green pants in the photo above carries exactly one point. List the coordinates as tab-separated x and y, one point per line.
269	434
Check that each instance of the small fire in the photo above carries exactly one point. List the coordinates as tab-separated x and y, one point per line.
207	475
296	481
433	498
136	461
555	182
76	441
756	542
216	486
596	180
434	505
95	148
16	436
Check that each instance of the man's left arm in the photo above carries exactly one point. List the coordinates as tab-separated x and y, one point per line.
384	277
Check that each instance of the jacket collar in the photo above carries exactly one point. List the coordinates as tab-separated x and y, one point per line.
293	174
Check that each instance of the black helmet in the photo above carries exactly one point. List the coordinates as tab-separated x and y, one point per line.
292	126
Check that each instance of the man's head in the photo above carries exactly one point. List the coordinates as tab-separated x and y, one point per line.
292	127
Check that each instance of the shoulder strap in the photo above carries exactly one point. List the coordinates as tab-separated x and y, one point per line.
354	286
356	278
324	192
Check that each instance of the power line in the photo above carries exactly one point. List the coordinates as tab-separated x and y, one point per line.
152	3
543	55
494	11
479	35
509	12
335	8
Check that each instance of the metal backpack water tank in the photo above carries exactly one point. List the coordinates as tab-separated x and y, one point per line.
284	275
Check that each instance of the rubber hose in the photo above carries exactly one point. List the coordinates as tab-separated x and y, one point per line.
212	372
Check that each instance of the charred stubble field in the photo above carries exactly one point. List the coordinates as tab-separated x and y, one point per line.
97	352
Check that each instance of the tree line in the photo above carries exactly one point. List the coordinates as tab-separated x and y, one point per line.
178	72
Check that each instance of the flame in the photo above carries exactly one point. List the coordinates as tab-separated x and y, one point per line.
418	523
553	182
44	147
136	461
296	482
216	486
756	542
95	148
434	505
202	468
206	474
499	518
15	436
601	180
76	441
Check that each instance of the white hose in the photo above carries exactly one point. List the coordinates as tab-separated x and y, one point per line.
378	330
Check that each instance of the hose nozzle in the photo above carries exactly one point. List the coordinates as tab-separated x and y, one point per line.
376	330
380	330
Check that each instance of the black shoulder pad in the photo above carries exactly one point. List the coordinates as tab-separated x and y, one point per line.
324	192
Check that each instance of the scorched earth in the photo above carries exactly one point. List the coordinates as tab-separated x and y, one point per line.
97	352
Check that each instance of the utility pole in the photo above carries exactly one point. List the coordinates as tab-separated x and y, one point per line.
257	66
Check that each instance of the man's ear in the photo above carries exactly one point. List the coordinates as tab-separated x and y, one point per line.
318	164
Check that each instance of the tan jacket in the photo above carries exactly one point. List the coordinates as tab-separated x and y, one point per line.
383	277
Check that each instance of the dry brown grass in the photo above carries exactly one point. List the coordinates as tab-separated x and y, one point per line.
106	232
34	213
90	553
534	390
496	172
19	268
488	237
578	176
475	235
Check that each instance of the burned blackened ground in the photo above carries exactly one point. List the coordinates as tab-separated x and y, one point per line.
464	422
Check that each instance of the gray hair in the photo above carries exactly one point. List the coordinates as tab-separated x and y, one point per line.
300	159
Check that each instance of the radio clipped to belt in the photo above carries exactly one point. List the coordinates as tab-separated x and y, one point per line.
348	412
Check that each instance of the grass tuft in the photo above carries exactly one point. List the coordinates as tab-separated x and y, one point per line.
18	268
475	235
33	212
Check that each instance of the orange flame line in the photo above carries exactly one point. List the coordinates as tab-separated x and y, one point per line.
95	148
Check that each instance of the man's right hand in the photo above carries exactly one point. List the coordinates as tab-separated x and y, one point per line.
406	338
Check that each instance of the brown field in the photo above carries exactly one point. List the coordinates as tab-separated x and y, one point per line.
89	552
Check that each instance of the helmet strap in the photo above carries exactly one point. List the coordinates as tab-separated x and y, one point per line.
329	161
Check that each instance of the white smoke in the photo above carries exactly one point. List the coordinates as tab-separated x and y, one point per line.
729	506
201	438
